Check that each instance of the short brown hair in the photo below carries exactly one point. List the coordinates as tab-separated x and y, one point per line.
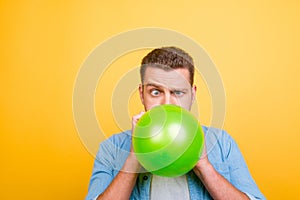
168	58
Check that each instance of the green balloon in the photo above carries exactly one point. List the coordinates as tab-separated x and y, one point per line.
168	141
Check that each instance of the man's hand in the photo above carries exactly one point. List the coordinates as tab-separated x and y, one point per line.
132	165
136	118
203	161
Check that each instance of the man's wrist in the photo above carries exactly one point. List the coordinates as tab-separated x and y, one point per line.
203	167
131	164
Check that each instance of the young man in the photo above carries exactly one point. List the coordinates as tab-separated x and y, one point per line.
167	76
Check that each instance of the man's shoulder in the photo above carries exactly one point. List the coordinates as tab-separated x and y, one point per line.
215	132
217	139
118	139
121	135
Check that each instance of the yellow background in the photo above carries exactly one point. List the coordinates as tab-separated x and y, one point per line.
254	44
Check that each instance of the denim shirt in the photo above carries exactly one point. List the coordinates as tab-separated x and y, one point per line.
223	153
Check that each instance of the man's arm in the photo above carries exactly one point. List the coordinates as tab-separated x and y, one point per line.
223	171
217	186
123	184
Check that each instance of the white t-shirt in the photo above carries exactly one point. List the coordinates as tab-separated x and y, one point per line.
165	188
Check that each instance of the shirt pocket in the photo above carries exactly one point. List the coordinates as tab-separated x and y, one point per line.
223	169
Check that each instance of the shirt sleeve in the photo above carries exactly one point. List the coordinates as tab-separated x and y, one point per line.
240	176
251	197
102	173
109	160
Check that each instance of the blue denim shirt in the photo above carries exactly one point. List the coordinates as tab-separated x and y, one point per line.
222	150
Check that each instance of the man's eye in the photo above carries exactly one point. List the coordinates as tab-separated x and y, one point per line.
155	92
178	93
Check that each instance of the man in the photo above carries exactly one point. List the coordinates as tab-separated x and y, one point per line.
167	76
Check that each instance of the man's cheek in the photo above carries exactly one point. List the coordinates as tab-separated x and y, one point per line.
150	103
150	106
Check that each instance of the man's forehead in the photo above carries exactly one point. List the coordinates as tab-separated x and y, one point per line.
175	78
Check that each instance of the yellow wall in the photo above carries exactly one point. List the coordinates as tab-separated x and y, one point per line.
254	44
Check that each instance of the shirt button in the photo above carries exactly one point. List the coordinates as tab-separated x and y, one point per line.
145	178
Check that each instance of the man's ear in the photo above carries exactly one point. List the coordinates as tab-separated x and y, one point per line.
141	90
194	90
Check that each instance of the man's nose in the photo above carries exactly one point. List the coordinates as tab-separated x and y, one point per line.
169	99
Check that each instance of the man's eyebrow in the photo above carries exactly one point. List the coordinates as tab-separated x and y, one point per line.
161	86
152	84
